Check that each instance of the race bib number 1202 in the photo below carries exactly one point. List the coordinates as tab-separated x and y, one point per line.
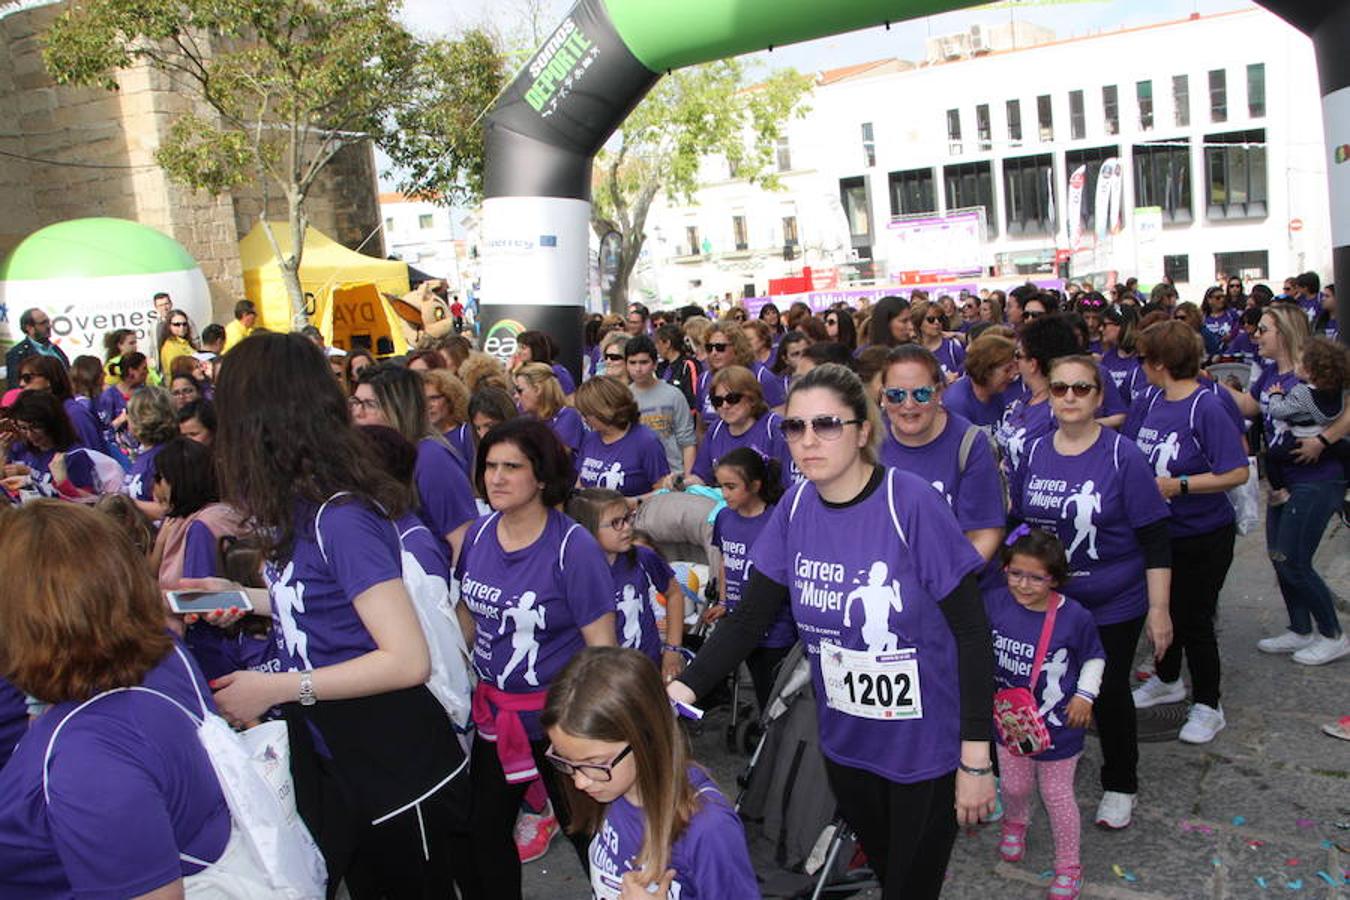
870	685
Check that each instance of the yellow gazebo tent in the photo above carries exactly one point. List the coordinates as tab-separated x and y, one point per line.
348	288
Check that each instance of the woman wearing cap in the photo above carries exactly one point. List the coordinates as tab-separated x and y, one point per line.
882	585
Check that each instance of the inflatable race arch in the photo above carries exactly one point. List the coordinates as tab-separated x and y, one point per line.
547	126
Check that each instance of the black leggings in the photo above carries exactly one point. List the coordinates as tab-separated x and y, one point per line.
495	807
1114	709
1199	567
906	830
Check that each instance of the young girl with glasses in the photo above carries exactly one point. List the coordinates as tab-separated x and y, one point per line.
639	574
659	822
1070	676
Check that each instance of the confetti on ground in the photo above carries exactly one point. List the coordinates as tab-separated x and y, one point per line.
1291	861
1121	872
1192	826
1327	844
1260	882
1215	862
1326	876
1239	820
1305	823
1252	845
1294	885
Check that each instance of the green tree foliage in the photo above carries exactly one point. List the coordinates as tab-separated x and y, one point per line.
691	113
281	86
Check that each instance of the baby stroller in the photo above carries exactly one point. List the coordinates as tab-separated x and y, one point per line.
799	845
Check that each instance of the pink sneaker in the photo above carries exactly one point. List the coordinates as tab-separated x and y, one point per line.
1066	885
534	834
1012	846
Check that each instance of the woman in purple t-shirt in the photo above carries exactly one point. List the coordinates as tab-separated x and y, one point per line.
619	452
726	345
1196	453
931	324
126	769
535	589
380	777
153	421
1027	417
746	421
1094	490
1119	357
540	395
1294	528
882	586
43	453
977	396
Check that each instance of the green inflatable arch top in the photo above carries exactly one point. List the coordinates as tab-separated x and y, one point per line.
95	248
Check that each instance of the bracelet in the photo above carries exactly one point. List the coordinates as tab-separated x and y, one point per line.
1323	439
971	770
674	648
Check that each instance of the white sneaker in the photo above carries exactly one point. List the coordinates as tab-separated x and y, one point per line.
1323	650
1156	691
1289	642
1116	810
1202	724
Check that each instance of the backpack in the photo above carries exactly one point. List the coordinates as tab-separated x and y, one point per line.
963	456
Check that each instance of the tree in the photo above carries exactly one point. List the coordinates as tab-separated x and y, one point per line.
279	87
690	114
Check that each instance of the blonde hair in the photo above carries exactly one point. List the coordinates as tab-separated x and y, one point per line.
541	377
740	344
695	328
607	400
453	389
151	416
1292	325
480	370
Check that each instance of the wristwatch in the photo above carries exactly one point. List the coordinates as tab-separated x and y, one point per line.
307	697
1185	482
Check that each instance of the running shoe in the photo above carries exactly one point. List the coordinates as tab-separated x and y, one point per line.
1012	846
1066	885
1338	729
1323	650
1115	810
1202	724
534	834
1156	692
1289	642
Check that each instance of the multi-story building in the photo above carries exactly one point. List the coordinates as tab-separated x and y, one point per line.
422	234
1210	125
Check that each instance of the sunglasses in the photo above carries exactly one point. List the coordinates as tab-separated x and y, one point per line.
26	377
921	395
178	324
1079	388
1029	315
620	523
592	771
731	399
827	428
1091	304
614	357
1016	576
932	320
718	347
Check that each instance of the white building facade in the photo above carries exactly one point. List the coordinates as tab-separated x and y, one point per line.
424	235
1213	124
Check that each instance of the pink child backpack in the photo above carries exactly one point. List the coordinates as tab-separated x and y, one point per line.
1016	712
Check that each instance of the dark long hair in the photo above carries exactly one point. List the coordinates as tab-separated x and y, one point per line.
286	437
187	468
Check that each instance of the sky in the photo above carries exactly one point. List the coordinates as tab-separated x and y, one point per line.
1067	18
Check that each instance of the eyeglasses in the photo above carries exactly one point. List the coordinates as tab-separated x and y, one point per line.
592	771
933	320
359	403
729	399
921	395
1018	576
718	347
614	357
827	428
621	522
1079	388
1262	329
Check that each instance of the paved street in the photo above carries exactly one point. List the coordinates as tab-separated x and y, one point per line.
1268	799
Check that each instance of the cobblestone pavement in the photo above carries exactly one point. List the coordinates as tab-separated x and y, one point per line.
1259	812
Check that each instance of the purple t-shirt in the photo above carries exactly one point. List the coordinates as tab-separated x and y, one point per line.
638	577
461	439
734	535
79	468
443	488
13	718
710	858
867	579
1242	345
951	356
974	493
1017	632
1022	423
86	423
130	788
1277	432
1223	325
313	620
542	595
765	437
431	552
139	482
1113	402
631	465
200	552
565	379
1093	502
1125	372
770	384
705	407
1191	437
568	426
959	398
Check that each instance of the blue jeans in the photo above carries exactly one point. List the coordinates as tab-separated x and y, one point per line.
1293	531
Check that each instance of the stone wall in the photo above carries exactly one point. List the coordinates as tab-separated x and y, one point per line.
90	152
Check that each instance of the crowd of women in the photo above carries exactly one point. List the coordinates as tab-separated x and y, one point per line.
442	595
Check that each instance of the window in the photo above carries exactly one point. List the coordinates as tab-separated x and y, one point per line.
1077	118
1015	122
1111	108
1143	94
1177	268
738	233
790	231
869	145
1045	118
426	221
1235	175
857	209
1026	195
784	154
1250	265
1218	95
984	132
1092	160
1162	177
1181	99
970	185
912	192
389	224
1256	90
691	237
954	131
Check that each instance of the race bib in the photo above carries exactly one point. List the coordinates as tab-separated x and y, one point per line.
870	685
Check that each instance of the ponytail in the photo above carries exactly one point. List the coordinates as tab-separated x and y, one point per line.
752	467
